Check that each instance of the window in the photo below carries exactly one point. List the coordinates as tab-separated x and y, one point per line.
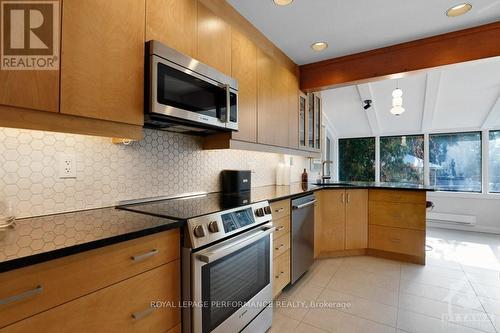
494	162
357	159
402	159
455	161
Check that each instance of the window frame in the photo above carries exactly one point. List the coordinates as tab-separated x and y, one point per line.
483	194
400	136
374	157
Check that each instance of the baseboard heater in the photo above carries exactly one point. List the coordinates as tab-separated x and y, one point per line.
466	220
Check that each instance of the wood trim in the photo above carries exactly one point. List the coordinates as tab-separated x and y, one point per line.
224	141
57	122
224	10
446	49
396	256
341	253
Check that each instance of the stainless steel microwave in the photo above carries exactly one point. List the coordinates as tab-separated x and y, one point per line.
185	95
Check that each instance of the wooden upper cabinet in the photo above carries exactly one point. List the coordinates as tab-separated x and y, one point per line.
172	22
244	69
272	98
356	233
293	110
102	73
213	40
36	90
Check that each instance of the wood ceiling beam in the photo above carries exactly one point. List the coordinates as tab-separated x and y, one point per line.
446	49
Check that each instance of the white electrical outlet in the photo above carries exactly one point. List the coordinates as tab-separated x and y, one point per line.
67	166
252	166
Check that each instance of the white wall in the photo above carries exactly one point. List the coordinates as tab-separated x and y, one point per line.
486	208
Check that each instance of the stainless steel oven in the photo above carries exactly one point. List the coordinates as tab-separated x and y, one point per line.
186	95
230	285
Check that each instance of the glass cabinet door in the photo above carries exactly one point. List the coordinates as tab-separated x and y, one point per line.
317	121
302	119
310	121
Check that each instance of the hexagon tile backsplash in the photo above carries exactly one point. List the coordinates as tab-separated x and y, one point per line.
161	164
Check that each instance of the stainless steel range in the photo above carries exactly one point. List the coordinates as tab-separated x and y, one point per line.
226	259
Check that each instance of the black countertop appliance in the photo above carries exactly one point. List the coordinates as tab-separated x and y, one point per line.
236	181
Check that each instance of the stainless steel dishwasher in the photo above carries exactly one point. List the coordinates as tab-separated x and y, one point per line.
302	235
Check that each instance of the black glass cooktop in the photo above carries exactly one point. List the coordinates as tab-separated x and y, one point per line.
188	207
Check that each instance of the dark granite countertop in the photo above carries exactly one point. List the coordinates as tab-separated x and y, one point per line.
38	239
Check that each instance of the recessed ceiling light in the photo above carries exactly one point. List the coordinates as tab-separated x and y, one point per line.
283	2
319	46
458	10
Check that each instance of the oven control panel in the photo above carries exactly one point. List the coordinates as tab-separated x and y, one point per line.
204	230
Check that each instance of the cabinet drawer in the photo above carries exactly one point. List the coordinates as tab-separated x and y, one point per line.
122	307
397	214
282	227
61	280
281	245
397	240
280	208
281	268
398	196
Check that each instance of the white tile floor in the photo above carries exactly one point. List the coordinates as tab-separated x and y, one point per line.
457	291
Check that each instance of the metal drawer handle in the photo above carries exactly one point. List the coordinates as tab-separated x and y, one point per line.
279	247
144	256
279	210
280	228
21	296
142	314
348	197
279	274
342	198
395	240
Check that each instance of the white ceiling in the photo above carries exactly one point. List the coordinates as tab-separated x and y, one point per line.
461	97
351	26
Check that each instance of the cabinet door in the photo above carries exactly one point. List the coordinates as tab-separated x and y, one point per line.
332	231
293	110
356	232
244	69
317	121
310	121
122	307
302	120
272	101
213	40
172	22
102	71
36	89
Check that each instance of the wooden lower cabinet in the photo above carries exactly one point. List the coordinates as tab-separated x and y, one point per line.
281	273
356	226
281	245
343	221
123	307
398	240
397	224
88	280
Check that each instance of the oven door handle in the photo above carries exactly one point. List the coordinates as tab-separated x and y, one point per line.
224	251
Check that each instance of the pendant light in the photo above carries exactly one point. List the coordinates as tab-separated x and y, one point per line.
397	102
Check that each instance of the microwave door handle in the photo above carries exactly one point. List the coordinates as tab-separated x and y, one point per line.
214	255
228	102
